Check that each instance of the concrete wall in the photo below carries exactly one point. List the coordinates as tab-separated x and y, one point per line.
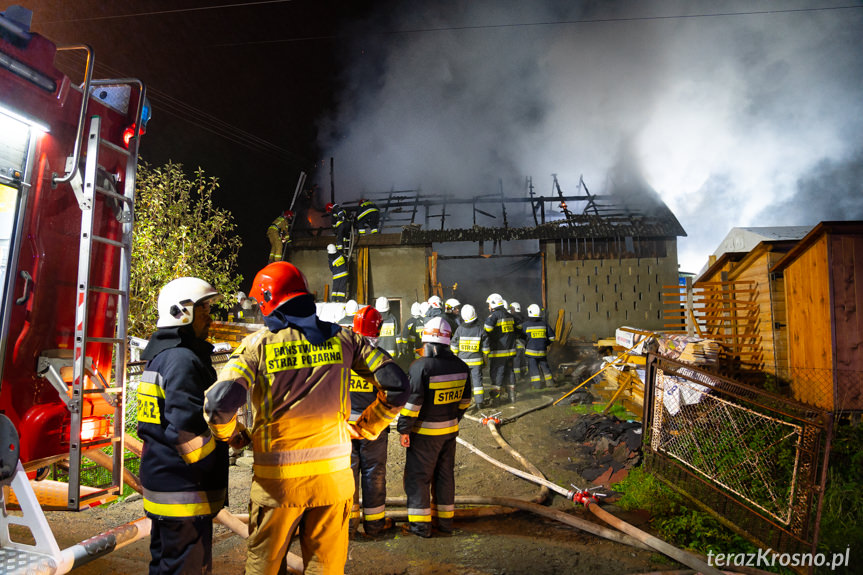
600	295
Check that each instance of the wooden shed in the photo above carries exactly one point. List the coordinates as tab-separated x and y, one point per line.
823	277
748	311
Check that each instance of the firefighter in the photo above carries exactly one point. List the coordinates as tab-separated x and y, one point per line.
428	427
500	326
451	309
297	371
350	309
539	336
279	234
184	469
339	269
435	308
519	366
411	338
389	327
341	224
368	217
368	456
470	344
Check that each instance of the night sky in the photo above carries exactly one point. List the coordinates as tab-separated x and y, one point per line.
736	113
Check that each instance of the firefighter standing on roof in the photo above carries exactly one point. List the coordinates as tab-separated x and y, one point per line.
500	326
470	344
339	269
368	217
368	456
341	225
428	427
184	469
279	234
389	327
298	372
539	335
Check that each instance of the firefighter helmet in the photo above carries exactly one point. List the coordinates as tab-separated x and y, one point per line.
177	300
331	248
288	215
494	301
437	330
277	283
451	304
367	322
329	207
533	310
351	307
435	301
382	304
416	310
424	308
468	313
515	307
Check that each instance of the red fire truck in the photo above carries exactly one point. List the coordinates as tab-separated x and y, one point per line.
68	156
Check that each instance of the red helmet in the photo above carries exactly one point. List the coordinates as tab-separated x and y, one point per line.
329	207
367	322
288	214
276	284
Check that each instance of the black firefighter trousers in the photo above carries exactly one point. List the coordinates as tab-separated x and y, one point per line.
369	465
429	479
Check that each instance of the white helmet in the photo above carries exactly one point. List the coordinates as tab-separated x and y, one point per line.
515	306
351	307
382	304
533	310
494	301
241	296
424	308
437	330
468	313
435	301
416	310
451	304
177	300
331	248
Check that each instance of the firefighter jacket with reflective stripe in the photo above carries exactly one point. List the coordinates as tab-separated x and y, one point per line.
184	470
281	225
538	336
440	393
470	342
409	336
502	332
388	339
301	403
338	265
364	392
367	208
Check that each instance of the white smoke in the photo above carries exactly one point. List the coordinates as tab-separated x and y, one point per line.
735	120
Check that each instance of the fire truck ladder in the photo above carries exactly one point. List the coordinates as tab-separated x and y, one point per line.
86	380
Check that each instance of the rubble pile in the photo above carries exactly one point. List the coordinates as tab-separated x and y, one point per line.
607	449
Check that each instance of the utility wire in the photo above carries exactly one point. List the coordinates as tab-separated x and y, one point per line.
162	12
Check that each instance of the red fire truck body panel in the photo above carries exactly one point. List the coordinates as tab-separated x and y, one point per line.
42	264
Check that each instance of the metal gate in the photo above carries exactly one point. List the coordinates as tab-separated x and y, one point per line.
753	458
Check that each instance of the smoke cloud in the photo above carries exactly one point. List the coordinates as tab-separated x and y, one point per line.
736	119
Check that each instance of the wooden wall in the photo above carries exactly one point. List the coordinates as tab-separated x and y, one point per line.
810	337
847	278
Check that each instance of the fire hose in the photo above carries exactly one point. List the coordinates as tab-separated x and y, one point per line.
586	498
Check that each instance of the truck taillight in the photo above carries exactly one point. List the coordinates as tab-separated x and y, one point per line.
93	427
129	133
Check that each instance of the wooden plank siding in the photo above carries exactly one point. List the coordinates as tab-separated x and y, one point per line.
810	337
847	273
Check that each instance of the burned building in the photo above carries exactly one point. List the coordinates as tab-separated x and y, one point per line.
592	262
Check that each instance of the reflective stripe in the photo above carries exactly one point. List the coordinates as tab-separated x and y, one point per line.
468	361
239	367
295	456
151	389
445	511
224	431
436	427
303	469
184	503
341	275
416	515
372	513
502	353
197	448
534	353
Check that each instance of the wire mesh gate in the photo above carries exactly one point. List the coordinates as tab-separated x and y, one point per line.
753	458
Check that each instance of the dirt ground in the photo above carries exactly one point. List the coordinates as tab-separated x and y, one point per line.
511	543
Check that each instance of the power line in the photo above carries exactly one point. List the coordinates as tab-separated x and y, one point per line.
162	12
554	23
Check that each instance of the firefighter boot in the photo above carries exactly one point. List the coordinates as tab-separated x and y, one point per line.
378	527
420	529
